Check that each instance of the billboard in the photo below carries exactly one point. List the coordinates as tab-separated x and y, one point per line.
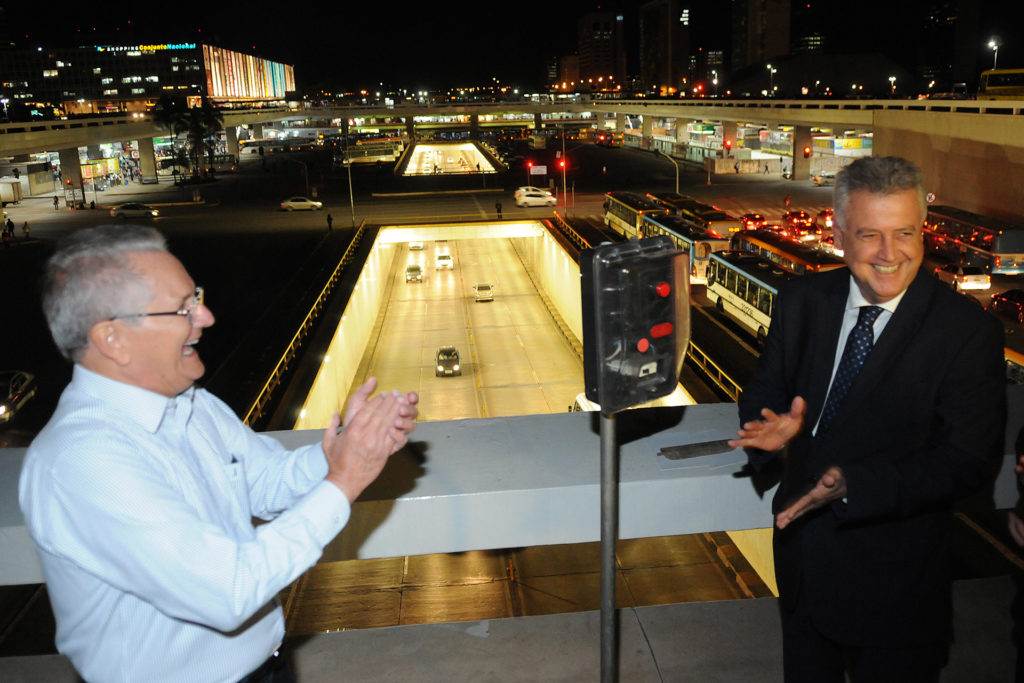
233	75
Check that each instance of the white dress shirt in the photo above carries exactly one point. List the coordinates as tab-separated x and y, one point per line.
141	508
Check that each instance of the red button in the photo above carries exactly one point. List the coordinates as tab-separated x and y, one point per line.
643	345
661	330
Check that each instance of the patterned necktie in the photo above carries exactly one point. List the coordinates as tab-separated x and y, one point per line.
858	346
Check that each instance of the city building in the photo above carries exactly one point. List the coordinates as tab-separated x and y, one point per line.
664	46
602	53
118	78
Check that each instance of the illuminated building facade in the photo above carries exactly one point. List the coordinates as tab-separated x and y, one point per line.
111	78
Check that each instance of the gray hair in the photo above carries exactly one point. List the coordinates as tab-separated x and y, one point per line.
90	278
877	175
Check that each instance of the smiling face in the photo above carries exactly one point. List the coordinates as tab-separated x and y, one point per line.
162	352
882	242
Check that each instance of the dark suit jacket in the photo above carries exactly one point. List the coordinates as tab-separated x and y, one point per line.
921	426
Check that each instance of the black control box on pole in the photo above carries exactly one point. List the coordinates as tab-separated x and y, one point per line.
636	325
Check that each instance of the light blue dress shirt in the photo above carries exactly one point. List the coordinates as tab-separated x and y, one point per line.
141	508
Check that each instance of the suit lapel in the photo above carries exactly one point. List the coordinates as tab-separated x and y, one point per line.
826	323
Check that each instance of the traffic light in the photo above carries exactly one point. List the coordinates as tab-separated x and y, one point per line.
807	152
529	165
636	323
728	145
561	164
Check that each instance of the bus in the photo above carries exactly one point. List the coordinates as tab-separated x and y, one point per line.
1001	84
701	215
624	212
794	256
744	286
678	397
696	243
975	240
223	163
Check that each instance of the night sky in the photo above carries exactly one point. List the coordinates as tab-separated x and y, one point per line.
353	45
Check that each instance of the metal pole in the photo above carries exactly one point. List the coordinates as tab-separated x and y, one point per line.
609	533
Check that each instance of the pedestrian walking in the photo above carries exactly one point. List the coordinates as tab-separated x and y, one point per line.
788	200
766	169
497	207
9	227
55	202
24	229
330	222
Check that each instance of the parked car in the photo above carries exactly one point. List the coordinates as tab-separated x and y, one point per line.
444	262
1009	303
16	389
413	273
963	277
483	292
134	210
301	204
535	199
446	362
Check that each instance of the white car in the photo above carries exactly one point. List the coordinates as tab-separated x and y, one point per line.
444	262
301	204
529	189
134	210
963	277
483	292
535	199
415	245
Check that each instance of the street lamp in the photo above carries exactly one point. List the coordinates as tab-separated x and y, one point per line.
771	80
892	84
994	44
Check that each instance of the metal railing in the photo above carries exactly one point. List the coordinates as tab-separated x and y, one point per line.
263	399
715	373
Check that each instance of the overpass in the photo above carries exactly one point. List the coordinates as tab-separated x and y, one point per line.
972	152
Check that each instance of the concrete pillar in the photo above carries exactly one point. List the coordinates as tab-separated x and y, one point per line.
410	128
728	133
620	123
682	132
71	169
147	160
646	131
474	127
537	122
231	137
257	131
801	139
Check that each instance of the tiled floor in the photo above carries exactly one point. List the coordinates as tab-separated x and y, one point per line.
508	583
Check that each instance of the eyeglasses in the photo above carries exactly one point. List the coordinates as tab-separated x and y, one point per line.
196	300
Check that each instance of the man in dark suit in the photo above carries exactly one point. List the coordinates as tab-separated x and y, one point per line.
876	440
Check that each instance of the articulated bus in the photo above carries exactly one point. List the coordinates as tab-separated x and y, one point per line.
794	256
975	240
702	215
624	212
1001	84
697	243
744	286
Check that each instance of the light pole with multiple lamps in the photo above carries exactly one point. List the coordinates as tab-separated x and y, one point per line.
892	85
771	80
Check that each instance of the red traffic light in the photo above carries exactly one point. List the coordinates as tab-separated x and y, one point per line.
728	144
807	152
529	164
561	163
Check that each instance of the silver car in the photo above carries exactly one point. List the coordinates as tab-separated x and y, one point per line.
301	204
134	210
963	277
483	292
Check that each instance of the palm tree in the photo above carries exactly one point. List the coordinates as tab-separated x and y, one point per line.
201	127
170	112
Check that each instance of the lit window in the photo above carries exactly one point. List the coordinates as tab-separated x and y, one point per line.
106	81
97	70
110	91
49	73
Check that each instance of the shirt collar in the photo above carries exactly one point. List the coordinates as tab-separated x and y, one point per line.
145	407
856	299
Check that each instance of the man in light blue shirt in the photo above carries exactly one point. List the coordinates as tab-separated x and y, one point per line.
140	491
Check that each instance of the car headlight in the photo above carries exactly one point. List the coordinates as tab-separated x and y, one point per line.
440	368
455	367
3	408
